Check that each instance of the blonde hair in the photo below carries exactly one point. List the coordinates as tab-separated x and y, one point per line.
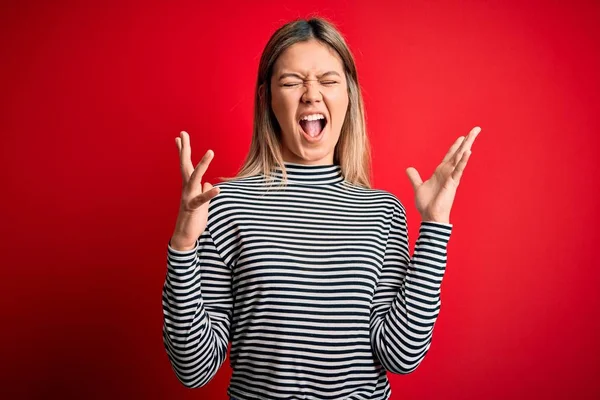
352	151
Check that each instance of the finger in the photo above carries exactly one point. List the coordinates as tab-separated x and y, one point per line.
466	144
186	156
460	167
207	187
202	167
414	177
203	198
184	176
453	148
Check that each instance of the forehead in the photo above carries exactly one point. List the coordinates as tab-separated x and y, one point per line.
309	57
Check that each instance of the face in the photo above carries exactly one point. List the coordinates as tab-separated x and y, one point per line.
309	100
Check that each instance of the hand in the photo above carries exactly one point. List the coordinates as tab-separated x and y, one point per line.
435	196
195	196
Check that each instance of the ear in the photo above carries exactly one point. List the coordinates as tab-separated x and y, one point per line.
261	91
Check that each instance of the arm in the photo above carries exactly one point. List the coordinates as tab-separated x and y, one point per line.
197	314
407	298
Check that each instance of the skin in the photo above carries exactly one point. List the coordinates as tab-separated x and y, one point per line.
435	196
309	76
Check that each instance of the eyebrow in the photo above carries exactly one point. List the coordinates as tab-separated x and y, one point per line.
295	75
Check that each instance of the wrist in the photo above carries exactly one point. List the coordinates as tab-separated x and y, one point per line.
181	244
438	219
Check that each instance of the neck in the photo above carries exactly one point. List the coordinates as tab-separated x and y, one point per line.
327	174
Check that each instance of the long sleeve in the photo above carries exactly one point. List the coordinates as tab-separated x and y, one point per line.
406	302
197	307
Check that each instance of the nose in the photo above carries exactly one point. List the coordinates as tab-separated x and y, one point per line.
312	94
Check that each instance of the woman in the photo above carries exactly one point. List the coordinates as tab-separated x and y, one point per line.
297	261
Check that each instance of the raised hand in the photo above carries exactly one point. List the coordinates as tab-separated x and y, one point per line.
435	196
195	196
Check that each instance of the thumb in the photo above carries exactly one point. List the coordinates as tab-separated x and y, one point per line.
414	177
206	187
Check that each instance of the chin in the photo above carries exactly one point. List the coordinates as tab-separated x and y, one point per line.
316	157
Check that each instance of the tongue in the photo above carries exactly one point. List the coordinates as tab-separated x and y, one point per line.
313	128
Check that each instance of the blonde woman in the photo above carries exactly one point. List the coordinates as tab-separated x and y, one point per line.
297	261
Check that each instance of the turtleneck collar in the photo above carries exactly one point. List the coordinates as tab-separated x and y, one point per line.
311	174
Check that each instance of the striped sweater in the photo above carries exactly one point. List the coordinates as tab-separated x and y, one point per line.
313	285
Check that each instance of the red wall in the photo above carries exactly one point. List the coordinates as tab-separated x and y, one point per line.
93	97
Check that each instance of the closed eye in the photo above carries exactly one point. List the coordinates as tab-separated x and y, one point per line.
296	84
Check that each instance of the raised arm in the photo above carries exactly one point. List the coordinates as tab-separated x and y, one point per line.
407	299
197	300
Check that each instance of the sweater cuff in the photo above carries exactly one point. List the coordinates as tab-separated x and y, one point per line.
437	232
181	253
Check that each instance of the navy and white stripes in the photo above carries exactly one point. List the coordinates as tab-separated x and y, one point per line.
311	283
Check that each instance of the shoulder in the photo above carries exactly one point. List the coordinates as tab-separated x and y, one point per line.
244	182
383	197
236	191
239	186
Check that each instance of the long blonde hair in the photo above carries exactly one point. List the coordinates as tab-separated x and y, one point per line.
352	151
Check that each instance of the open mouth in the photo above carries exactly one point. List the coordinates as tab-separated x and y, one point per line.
313	128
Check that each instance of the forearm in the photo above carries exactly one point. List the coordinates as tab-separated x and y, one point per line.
401	335
195	348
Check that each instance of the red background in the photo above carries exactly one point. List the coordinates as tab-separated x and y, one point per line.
93	96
